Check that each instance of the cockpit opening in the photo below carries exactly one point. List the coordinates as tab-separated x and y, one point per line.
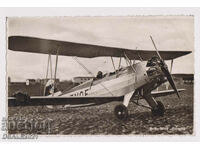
101	75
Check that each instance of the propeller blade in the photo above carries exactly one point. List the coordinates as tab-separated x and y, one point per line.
171	66
165	70
155	48
170	79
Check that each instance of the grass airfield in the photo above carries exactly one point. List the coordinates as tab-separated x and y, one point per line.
100	120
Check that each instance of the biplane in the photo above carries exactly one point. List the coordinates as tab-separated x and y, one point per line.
138	80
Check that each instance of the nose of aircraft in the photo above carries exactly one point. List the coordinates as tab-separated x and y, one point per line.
163	66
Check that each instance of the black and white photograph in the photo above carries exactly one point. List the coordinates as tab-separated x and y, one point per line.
100	75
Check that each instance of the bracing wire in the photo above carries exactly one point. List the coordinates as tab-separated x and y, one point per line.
88	71
76	59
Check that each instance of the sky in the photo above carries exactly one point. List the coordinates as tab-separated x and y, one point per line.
131	32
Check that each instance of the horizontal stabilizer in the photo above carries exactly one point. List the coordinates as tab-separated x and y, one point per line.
165	93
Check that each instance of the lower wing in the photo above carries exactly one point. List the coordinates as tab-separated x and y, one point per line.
43	100
81	101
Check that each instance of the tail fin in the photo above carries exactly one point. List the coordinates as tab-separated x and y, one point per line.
50	88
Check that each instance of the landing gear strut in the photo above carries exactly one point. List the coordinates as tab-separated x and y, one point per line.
160	110
121	112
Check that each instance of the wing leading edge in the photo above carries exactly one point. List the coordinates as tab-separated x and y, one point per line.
46	46
43	100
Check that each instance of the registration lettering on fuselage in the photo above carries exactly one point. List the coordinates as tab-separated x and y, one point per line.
81	93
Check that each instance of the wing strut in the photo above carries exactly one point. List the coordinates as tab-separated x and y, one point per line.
129	61
139	55
49	66
113	63
119	63
55	70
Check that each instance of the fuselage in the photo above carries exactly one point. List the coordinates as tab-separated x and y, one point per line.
118	83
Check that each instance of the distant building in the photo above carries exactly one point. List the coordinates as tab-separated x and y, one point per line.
184	78
33	87
44	81
30	81
80	80
188	79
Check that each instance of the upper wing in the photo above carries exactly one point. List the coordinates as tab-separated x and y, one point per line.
43	100
165	93
45	46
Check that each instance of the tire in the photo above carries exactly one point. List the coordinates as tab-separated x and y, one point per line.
160	110
121	112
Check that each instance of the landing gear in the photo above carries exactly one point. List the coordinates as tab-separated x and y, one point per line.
121	112
160	110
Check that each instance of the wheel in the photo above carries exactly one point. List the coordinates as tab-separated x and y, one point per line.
121	112
160	110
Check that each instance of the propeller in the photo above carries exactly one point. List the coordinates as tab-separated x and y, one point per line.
165	70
